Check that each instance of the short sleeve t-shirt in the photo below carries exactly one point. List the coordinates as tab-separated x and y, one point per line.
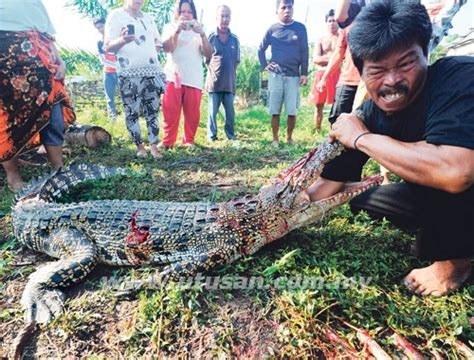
25	15
186	60
443	114
221	67
137	58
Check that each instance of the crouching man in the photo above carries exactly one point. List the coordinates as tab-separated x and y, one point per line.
419	124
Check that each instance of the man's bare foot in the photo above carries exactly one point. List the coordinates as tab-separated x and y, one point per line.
439	278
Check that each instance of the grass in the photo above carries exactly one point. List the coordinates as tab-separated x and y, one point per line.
274	321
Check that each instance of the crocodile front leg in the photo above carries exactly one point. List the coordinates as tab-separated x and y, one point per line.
41	298
193	265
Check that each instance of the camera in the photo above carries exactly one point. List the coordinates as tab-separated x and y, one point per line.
189	25
131	29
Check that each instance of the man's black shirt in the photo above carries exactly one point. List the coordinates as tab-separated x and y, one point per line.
443	114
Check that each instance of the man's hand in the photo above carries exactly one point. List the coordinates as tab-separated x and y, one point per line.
303	80
273	67
321	85
346	129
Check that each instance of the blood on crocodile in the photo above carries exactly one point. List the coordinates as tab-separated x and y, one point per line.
136	235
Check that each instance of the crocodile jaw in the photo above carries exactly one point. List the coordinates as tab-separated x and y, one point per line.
311	212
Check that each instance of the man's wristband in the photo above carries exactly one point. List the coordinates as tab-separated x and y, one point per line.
358	137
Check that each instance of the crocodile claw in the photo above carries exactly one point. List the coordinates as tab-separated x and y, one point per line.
42	304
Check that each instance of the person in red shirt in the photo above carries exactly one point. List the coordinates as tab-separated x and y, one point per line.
109	61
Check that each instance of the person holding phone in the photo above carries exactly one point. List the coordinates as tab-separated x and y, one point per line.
132	34
186	44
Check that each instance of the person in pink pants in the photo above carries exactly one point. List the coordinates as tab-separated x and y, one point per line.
186	44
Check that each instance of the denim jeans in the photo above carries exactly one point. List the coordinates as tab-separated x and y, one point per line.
214	102
110	86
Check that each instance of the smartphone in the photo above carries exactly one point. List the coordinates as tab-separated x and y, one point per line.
131	29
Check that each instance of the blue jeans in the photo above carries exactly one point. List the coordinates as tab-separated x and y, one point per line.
110	85
214	102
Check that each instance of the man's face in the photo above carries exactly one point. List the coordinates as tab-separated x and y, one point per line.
223	18
285	12
395	81
332	24
100	28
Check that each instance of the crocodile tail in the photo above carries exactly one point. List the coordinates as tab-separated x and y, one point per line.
52	186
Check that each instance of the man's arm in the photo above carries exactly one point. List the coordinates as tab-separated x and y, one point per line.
261	50
319	58
342	11
320	189
304	56
335	60
444	167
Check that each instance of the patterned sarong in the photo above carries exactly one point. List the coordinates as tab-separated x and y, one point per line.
27	90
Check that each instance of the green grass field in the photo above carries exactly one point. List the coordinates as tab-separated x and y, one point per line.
284	318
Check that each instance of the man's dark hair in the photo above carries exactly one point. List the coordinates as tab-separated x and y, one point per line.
388	25
329	14
278	2
98	20
179	3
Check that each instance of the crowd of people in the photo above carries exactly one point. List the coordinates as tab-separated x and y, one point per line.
388	104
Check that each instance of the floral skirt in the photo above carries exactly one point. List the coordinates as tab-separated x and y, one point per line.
27	90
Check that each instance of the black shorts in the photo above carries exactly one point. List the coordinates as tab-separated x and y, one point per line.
343	101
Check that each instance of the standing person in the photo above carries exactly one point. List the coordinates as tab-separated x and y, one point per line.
186	44
323	49
34	104
419	124
348	80
109	62
288	67
221	74
132	34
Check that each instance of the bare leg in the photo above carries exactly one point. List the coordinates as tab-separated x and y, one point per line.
275	129
439	278
289	131
55	155
14	180
319	117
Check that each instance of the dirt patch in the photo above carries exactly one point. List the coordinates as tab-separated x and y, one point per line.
239	328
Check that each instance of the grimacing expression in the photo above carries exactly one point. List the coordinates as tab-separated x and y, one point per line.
332	24
185	12
285	12
395	81
223	17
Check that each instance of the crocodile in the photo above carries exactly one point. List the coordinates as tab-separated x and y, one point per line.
183	239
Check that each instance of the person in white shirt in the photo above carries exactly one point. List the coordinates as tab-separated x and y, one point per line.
132	34
186	43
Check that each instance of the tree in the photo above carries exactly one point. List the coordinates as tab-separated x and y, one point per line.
161	10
